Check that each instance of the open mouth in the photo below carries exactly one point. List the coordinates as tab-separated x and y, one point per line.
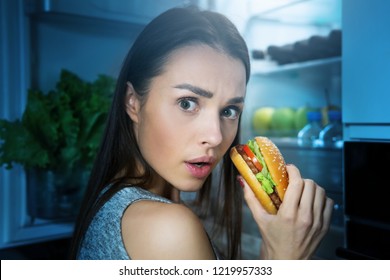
200	164
199	169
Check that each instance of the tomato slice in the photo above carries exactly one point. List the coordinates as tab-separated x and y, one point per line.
253	158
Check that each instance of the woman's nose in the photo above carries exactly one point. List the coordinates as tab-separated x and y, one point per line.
212	132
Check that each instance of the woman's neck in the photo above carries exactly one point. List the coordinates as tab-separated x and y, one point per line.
160	187
156	185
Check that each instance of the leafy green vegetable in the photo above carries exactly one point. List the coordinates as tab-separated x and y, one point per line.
266	183
263	176
60	129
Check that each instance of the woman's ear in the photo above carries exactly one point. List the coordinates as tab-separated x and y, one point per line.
132	103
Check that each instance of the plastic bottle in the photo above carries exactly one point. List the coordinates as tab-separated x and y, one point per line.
308	136
332	134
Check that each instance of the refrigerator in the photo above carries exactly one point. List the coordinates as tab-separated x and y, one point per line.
39	38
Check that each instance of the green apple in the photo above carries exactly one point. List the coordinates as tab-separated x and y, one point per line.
262	119
283	120
300	119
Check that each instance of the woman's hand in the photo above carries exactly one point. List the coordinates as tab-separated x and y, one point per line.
302	220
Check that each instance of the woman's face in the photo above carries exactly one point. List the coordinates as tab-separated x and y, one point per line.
190	117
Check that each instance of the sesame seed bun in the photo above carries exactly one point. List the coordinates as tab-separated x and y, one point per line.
275	164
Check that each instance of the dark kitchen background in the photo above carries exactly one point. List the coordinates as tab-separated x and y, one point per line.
325	56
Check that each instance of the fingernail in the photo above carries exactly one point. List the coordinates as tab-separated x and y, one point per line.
240	181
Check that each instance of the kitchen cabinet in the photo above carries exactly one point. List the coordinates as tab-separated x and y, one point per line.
38	38
366	68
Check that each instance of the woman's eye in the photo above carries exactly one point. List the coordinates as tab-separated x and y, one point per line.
188	104
231	112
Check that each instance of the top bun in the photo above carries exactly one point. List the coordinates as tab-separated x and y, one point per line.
275	164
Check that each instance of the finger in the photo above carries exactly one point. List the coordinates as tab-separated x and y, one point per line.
294	190
327	215
319	207
308	196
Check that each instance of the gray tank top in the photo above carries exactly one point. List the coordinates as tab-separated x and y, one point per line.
103	238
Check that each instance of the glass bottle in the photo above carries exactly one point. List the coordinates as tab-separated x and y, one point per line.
332	134
308	136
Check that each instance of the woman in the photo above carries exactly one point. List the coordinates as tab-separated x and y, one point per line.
175	114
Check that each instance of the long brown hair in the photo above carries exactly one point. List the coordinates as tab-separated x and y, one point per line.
119	151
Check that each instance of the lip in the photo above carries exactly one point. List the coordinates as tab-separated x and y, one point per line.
200	167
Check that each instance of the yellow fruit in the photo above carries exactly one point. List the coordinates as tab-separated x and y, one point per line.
262	119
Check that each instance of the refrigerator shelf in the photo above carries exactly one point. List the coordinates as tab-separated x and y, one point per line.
264	67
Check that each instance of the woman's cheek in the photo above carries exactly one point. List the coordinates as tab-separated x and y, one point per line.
230	132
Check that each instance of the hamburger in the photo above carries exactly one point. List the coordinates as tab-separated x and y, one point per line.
262	166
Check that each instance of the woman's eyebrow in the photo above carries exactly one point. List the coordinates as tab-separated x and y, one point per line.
196	90
206	93
237	100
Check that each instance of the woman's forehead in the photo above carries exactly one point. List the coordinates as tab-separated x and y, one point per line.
206	63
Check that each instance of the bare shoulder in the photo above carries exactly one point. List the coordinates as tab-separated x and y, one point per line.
156	230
